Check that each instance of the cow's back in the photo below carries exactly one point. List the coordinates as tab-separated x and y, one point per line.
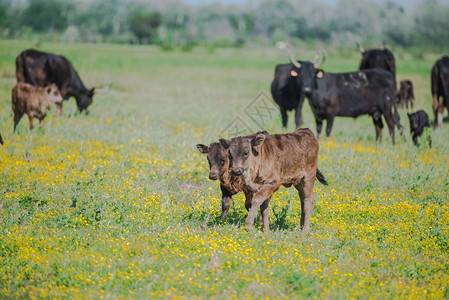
291	153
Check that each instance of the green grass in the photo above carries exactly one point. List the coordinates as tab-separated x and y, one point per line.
117	203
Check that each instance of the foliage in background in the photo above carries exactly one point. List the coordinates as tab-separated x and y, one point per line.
177	23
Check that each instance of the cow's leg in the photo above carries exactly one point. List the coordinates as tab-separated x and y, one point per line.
30	117
225	205
59	109
264	213
330	122
298	112
41	123
319	126
305	191
17	118
377	120
390	122
284	117
437	111
415	139
263	194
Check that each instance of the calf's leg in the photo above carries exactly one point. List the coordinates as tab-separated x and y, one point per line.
225	205
17	117
30	117
305	191
264	213
260	197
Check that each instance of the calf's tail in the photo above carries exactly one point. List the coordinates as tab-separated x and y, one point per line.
320	177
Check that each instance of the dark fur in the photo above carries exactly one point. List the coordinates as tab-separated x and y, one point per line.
418	121
1	140
41	69
287	94
440	89
367	92
379	58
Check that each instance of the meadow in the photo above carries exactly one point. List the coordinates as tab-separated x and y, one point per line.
117	203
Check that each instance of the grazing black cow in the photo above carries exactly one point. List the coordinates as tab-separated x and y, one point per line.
440	88
418	121
42	69
405	95
286	92
378	58
366	92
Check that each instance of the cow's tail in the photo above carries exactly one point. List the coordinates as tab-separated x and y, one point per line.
320	177
397	119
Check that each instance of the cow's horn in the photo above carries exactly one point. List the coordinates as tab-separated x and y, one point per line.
316	66
285	45
317	55
292	58
361	48
103	90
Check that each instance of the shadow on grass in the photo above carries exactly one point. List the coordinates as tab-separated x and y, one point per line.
278	219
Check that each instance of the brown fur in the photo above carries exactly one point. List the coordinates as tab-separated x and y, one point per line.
267	162
405	94
33	101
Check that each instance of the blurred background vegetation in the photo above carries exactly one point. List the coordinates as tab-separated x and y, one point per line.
186	24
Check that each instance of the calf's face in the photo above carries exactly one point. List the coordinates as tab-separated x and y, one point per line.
414	122
217	158
243	152
53	94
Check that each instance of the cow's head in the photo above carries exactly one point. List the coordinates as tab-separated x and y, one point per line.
53	94
217	158
306	73
84	99
243	151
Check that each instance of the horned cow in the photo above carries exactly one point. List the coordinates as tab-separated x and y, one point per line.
33	101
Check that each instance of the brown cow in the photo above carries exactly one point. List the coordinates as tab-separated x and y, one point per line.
219	165
405	94
267	162
34	101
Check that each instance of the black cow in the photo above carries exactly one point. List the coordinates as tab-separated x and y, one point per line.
366	92
41	69
286	92
406	95
440	88
418	121
378	58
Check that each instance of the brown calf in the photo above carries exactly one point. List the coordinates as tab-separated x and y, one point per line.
219	168
34	101
405	94
267	162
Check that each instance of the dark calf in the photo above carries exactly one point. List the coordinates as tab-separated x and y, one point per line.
418	121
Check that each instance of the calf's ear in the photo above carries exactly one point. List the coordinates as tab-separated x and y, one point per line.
202	148
258	140
225	143
91	92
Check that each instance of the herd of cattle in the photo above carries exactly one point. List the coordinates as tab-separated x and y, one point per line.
259	164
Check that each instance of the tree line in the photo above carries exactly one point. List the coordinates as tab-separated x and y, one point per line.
175	23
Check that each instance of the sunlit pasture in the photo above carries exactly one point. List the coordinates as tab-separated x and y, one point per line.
117	203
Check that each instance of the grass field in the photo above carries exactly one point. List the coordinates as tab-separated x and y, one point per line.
117	204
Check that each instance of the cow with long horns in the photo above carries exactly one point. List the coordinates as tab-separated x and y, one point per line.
285	90
42	69
366	92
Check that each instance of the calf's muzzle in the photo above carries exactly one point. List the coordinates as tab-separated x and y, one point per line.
238	171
